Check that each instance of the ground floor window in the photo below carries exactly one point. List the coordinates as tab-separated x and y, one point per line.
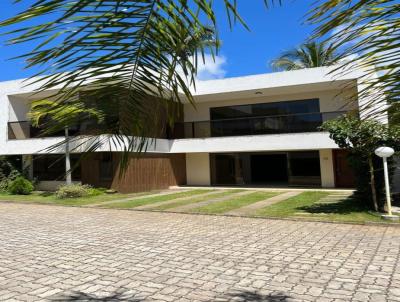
106	167
279	168
52	167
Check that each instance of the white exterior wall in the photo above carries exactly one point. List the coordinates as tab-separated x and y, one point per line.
198	169
249	143
327	169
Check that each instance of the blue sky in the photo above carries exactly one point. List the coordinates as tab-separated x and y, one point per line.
243	52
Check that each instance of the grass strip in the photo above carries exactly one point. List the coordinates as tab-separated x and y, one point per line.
305	205
50	198
234	203
196	199
292	205
149	200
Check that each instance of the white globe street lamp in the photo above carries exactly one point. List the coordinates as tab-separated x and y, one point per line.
386	152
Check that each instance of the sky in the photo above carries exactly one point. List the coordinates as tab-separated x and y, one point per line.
243	52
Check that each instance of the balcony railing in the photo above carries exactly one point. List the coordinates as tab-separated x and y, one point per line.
276	124
24	130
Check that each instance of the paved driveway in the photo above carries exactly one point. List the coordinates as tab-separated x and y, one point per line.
69	254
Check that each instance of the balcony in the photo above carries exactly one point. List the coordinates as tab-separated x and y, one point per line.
24	130
276	124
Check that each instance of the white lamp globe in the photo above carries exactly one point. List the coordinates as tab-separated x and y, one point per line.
384	152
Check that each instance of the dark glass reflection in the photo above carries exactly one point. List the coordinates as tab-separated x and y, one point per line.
267	118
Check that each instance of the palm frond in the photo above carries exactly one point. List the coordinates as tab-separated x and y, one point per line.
368	31
308	55
118	54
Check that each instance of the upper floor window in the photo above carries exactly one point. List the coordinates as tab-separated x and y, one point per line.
265	109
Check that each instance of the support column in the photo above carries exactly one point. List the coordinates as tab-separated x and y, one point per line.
27	165
198	169
327	169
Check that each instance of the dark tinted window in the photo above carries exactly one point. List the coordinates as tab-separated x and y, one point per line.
265	109
52	167
106	166
305	163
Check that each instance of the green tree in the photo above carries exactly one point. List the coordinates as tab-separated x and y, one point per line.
308	55
361	138
50	112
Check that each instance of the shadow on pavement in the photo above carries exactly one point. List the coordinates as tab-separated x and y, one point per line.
251	296
83	297
118	296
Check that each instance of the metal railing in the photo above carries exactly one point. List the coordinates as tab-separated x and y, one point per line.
24	130
276	124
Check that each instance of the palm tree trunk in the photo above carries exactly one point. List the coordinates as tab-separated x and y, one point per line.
68	176
372	182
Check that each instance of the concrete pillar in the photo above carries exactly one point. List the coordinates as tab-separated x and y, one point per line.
327	168
198	169
27	165
238	170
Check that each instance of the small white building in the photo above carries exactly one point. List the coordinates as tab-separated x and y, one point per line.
259	130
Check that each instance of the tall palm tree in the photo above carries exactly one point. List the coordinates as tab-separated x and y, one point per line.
50	112
308	55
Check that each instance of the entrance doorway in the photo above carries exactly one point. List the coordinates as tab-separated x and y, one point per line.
344	175
269	168
294	168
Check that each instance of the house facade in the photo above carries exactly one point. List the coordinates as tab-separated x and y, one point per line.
260	130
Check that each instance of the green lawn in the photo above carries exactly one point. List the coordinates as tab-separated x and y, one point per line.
149	200
305	205
50	198
196	199
234	203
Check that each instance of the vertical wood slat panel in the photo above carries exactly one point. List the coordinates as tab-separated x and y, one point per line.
148	172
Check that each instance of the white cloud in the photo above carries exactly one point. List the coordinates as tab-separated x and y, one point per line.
211	68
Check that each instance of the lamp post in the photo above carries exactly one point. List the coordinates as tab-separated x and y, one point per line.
386	152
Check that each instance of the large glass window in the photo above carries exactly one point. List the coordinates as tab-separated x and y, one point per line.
266	118
265	109
297	168
304	163
52	167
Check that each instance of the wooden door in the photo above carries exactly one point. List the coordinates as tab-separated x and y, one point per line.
344	175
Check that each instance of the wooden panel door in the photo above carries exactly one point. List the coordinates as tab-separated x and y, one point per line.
344	175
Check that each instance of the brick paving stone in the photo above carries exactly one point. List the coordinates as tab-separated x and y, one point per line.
52	253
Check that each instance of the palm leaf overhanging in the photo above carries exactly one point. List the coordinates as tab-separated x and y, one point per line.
308	55
116	54
368	31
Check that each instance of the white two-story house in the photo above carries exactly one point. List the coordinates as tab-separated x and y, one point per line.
259	130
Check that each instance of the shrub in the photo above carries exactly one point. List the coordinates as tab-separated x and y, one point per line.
20	186
4	185
5	181
77	190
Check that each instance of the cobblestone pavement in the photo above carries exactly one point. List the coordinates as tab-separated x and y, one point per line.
86	254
